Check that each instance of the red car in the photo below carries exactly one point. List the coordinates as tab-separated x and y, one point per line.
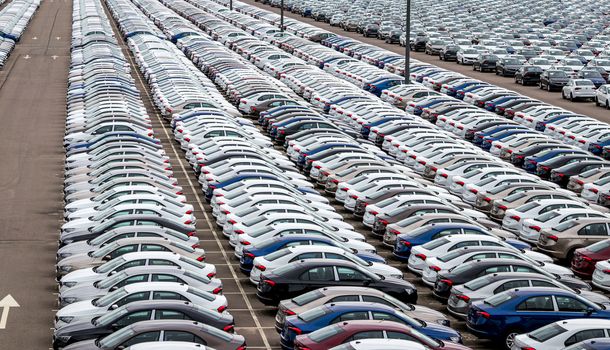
343	332
583	262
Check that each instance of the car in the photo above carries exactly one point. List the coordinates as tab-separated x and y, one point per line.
591	344
131	313
168	345
347	332
383	344
561	242
137	292
505	315
602	96
485	62
578	88
325	315
462	296
329	295
299	277
481	267
284	256
162	331
552	79
563	334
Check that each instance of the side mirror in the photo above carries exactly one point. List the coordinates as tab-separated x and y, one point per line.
590	310
367	282
114	307
107	258
114	326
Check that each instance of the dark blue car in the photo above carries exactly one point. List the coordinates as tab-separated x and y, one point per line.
281	241
530	163
471	88
377	86
406	241
454	90
495	131
491	105
210	190
598	147
366	128
487	141
504	315
325	315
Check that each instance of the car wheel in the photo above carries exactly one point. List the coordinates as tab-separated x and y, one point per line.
548	87
509	340
596	102
563	96
607	104
540	85
572	97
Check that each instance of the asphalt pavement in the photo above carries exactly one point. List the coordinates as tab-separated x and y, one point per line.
32	113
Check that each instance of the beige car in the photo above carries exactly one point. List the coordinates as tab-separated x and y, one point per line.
328	295
500	206
485	199
561	241
577	182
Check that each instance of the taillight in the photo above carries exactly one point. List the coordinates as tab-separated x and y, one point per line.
217	290
188	222
502	207
189	212
271	283
536	228
221	308
191	234
447	281
463	297
421	256
211	275
435	268
553	238
288	312
297	330
484	314
201	258
516	217
229	328
261	267
607	272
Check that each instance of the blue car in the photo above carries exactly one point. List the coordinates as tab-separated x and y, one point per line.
598	147
419	108
502	316
341	99
472	88
406	241
377	86
541	125
210	190
281	241
325	315
495	131
366	128
530	163
491	105
454	90
487	141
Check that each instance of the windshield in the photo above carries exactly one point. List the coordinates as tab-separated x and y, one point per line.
325	333
548	216
435	243
116	338
478	283
514	197
111	316
104	250
112	280
599	246
307	297
111	265
110	298
277	254
564	226
451	255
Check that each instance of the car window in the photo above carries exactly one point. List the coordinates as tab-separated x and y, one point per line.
123	250
134	317
129	264
593	230
540	303
464	244
344	298
161	262
349	274
398	335
584	335
133	297
153	248
568	304
510	285
164	295
537	283
324	273
142	338
495	269
170	315
386	317
132	279
165	278
372	299
490	244
183	337
351	316
307	256
523	269
367	335
481	256
454	231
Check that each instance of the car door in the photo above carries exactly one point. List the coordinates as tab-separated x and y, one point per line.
585	335
366	335
535	312
347	276
312	278
145	337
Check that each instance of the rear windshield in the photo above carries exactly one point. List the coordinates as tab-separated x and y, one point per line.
307	297
313	314
499	299
277	254
435	243
547	332
325	333
478	283
599	246
564	226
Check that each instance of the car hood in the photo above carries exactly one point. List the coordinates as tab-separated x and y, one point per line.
83	345
80	309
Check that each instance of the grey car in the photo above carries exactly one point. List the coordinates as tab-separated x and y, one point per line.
480	288
126	232
124	246
98	326
164	330
138	275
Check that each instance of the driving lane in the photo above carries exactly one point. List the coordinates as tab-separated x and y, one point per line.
554	98
32	113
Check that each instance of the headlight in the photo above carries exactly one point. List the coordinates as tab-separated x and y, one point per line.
410	291
68	241
443	322
398	276
71	210
68	284
455	339
66	268
68	230
69	300
66	319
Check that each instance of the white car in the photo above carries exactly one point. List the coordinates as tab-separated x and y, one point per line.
531	227
513	219
602	96
380	344
137	292
601	275
290	254
592	191
564	333
578	88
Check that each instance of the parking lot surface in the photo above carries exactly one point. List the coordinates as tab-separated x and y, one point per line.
32	109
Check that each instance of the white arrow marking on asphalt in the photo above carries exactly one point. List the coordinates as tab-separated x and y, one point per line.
54	57
58	37
27	57
7	303
35	38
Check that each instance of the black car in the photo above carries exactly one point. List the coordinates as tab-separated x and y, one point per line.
292	128
543	169
561	175
393	36
517	158
302	276
553	79
448	53
419	44
136	312
370	30
485	62
482	267
507	67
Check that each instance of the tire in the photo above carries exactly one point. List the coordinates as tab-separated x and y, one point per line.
548	87
572	97
596	102
563	96
607	104
540	85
